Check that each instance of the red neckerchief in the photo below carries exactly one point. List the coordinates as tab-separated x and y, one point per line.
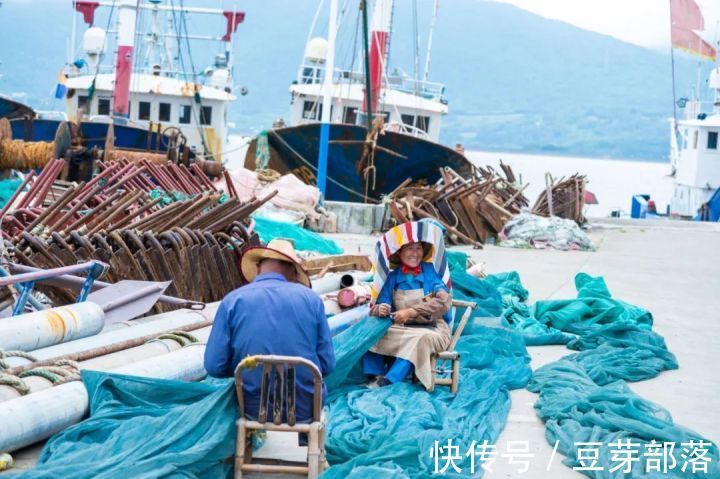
408	270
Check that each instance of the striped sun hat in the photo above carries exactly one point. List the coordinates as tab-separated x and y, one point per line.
426	231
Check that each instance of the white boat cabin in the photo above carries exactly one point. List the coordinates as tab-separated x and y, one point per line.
408	106
696	157
162	101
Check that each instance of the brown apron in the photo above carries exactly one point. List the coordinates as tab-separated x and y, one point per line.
414	343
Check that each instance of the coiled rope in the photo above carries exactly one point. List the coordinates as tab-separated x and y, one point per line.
16	354
23	155
183	338
60	372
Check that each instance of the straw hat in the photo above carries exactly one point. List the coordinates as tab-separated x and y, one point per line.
279	249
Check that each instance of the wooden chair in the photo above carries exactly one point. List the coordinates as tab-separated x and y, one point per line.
283	369
439	361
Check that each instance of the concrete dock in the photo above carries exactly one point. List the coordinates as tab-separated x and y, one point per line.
669	268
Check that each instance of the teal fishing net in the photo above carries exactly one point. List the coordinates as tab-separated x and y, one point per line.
156	428
7	189
584	397
142	428
388	431
304	240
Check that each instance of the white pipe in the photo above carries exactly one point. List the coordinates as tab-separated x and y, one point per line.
51	326
170	320
212	307
330	283
35	417
108	362
342	321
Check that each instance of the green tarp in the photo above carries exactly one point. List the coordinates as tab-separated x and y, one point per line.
303	239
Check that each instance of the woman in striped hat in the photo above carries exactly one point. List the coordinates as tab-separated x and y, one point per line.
412	287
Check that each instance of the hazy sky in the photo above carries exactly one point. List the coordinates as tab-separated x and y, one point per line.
643	22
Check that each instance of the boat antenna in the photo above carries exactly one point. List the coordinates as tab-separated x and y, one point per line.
672	68
366	48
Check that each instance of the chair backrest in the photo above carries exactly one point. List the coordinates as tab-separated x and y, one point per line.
467	308
282	368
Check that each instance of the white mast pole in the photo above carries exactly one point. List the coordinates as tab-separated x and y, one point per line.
430	37
71	50
329	63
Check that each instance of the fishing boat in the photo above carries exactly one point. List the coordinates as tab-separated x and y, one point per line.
695	138
382	128
149	89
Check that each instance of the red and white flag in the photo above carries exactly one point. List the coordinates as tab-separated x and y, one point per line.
686	21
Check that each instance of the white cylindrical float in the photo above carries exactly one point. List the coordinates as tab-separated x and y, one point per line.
35	417
51	326
152	348
173	319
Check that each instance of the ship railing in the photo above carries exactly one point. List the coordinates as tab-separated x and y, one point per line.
314	73
696	109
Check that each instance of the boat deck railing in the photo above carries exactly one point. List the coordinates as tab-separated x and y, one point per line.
311	72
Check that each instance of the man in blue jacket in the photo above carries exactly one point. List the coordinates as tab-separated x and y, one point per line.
277	313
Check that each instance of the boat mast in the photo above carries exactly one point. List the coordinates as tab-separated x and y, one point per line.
327	100
430	38
127	17
375	60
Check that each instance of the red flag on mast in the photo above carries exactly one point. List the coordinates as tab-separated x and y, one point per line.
686	19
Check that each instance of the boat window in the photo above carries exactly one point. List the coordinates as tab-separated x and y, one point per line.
82	102
695	140
312	110
143	110
712	143
185	112
164	112
350	115
205	115
421	123
103	106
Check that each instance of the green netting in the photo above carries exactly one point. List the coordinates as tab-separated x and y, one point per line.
584	397
502	294
304	240
156	428
7	189
143	428
390	431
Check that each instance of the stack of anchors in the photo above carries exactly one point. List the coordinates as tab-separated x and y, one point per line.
116	218
156	346
471	209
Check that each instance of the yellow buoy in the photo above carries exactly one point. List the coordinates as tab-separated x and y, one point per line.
6	461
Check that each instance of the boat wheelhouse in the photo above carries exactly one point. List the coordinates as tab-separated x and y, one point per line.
696	154
154	86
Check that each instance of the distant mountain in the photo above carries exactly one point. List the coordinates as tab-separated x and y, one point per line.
516	81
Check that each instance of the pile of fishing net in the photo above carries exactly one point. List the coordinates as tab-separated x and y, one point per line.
148	427
304	240
584	397
526	230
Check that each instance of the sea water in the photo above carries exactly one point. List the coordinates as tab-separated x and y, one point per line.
614	182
